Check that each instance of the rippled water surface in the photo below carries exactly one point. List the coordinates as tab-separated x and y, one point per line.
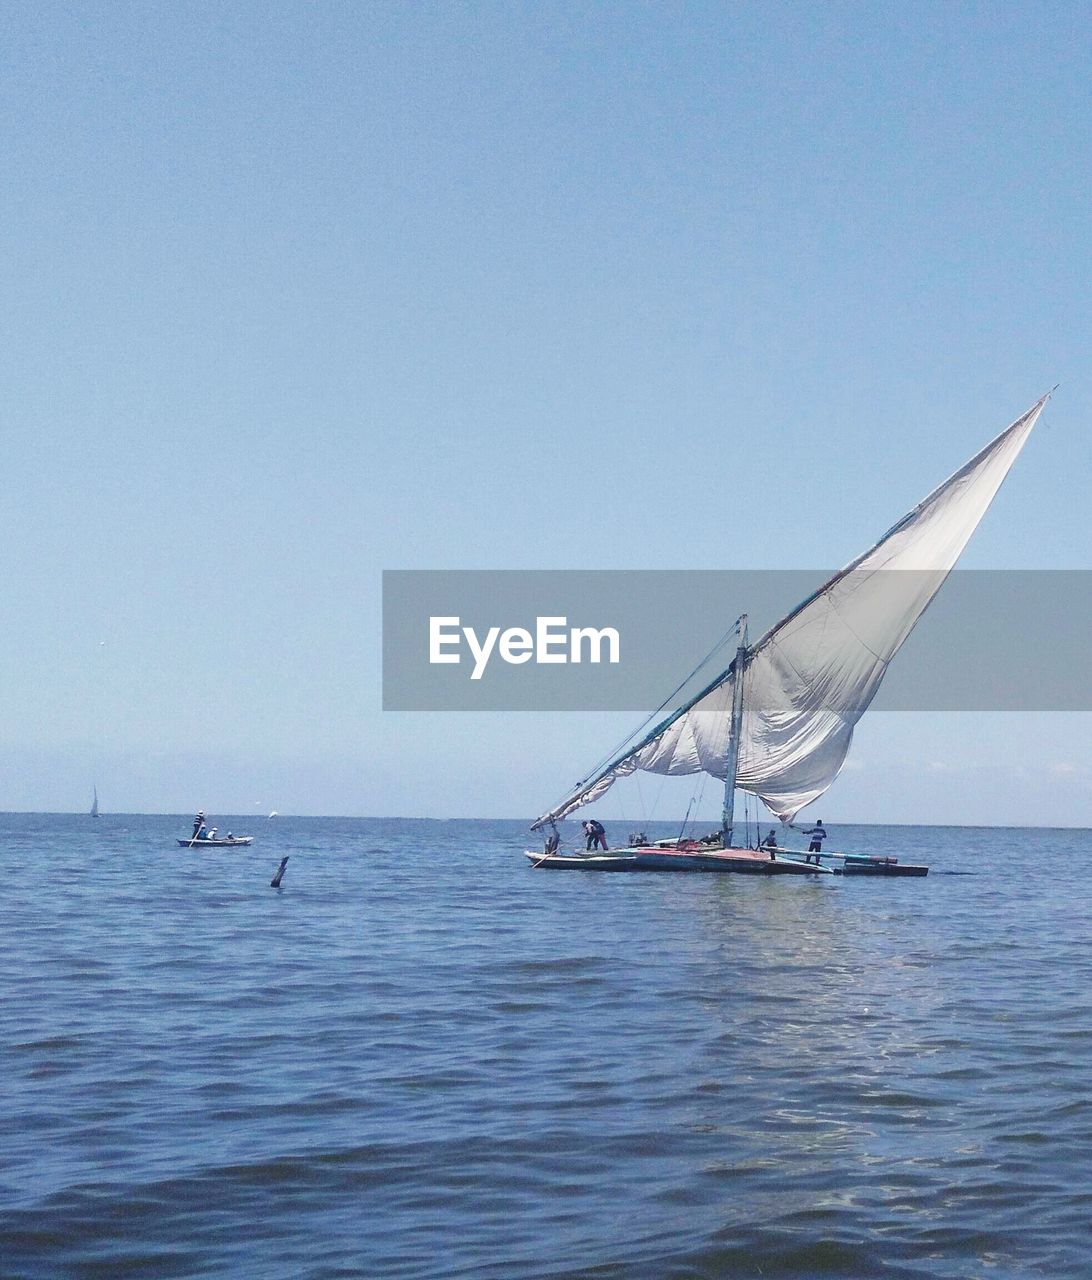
421	1058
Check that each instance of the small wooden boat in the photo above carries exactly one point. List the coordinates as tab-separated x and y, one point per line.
873	864
863	864
217	842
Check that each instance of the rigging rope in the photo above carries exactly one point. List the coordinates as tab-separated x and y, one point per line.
610	755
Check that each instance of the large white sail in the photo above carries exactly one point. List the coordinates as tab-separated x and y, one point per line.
811	677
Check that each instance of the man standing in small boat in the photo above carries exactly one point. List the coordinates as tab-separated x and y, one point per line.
198	823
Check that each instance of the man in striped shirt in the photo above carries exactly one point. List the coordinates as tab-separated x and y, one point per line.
816	835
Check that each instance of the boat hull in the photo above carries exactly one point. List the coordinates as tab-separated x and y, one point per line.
734	861
865	864
235	843
879	867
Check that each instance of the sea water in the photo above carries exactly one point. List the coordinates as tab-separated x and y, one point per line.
422	1058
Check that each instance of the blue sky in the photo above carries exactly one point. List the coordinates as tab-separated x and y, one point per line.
295	293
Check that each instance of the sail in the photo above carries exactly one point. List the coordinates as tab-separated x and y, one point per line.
811	677
95	803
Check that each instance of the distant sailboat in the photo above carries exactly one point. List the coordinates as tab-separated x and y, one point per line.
95	803
778	722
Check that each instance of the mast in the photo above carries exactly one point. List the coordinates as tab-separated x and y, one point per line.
727	817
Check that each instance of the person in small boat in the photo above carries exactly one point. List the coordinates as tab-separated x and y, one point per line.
589	834
211	835
599	835
771	840
198	823
638	840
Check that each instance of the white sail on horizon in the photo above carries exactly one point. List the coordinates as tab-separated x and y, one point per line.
812	676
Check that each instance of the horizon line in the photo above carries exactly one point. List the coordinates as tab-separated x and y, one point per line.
378	817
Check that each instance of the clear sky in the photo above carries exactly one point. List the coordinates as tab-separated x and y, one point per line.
294	293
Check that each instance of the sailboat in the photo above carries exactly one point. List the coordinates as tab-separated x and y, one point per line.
95	802
778	721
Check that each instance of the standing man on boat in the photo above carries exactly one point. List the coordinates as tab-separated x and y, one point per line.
599	835
816	835
198	823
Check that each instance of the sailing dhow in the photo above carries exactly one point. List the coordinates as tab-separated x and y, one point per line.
778	721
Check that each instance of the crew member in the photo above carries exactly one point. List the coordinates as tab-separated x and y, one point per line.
816	835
